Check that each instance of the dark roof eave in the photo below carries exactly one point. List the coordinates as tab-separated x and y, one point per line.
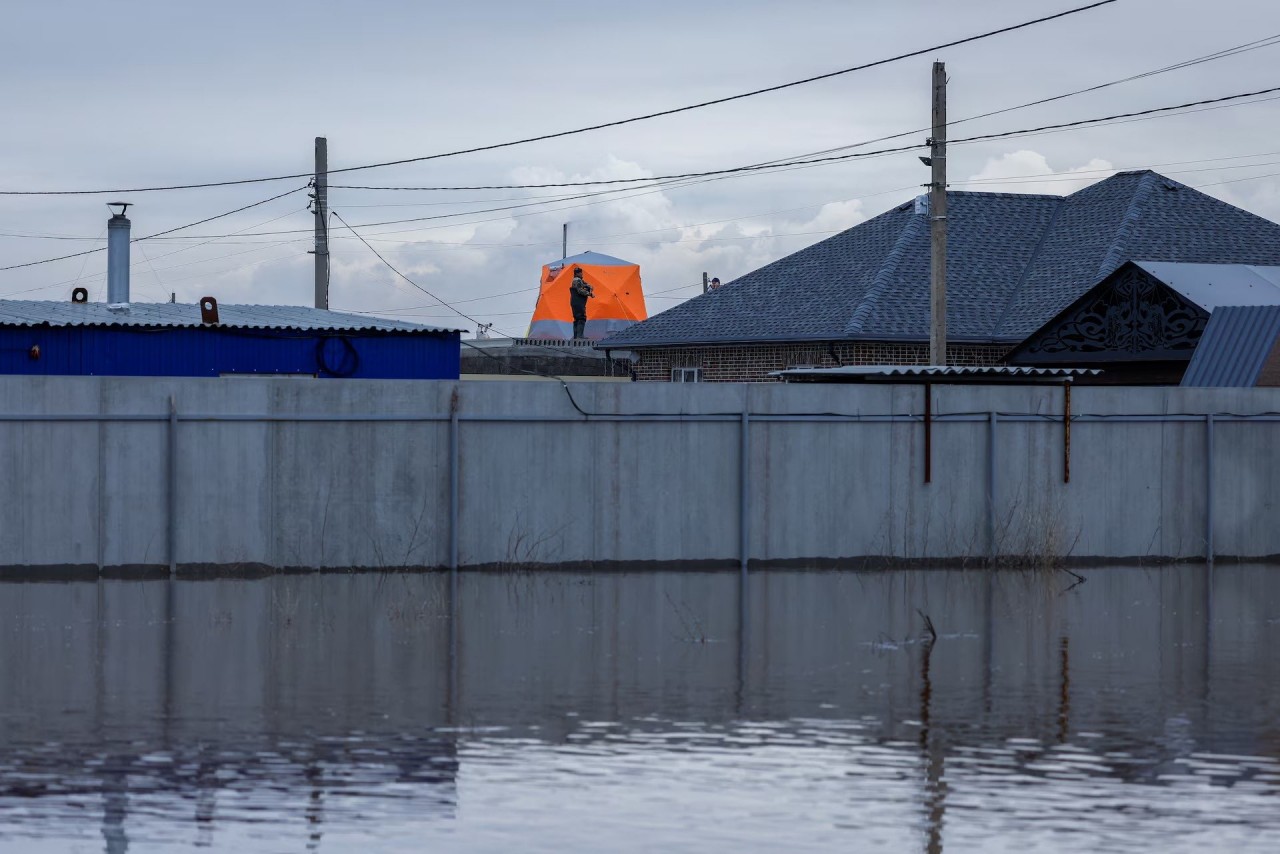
816	339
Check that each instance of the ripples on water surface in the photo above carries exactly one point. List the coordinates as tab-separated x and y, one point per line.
556	712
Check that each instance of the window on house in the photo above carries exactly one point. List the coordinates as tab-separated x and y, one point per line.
686	375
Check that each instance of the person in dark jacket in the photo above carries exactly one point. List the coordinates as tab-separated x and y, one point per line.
579	293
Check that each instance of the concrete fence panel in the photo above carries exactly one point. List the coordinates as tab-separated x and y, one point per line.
103	474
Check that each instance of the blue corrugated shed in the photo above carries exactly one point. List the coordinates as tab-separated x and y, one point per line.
1234	347
1014	261
168	339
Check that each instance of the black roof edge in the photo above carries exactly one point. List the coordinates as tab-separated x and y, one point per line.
820	339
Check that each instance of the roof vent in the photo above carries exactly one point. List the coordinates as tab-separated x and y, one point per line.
79	294
208	310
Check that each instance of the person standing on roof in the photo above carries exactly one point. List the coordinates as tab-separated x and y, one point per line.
579	293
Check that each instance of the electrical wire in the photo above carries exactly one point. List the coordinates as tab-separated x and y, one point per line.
656	186
1269	41
395	270
616	123
157	234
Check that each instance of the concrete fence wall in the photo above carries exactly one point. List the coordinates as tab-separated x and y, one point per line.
99	473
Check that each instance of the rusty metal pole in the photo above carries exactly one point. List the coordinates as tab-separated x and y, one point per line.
1066	432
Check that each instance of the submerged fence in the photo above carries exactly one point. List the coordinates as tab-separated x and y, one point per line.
188	474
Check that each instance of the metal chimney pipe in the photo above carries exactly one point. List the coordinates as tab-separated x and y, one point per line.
118	255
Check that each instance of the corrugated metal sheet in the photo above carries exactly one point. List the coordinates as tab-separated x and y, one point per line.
1213	285
135	351
182	315
1234	347
941	373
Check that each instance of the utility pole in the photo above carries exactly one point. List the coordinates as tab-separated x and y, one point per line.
938	220
564	241
322	222
706	284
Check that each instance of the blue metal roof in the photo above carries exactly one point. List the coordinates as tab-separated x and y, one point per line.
186	315
1234	347
1014	261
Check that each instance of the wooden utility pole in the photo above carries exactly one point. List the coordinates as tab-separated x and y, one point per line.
706	283
938	220
322	222
564	241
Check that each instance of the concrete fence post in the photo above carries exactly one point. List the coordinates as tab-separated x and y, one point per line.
171	532
454	464
744	488
1208	488
992	494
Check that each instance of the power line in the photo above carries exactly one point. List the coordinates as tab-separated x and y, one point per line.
1139	113
157	234
780	166
660	182
590	128
1269	41
402	275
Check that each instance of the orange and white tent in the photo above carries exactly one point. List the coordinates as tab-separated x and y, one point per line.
618	301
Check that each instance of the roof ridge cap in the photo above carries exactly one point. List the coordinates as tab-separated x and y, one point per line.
881	281
1115	253
999	195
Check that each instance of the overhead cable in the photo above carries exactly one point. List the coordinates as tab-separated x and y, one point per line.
157	234
395	270
616	123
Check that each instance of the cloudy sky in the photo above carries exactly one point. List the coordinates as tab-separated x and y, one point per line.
133	94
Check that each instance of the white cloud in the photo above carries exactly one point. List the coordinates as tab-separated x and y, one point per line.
1016	172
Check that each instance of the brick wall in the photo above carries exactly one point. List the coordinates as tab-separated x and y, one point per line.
754	362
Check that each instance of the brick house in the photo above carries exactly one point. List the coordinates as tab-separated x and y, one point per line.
1015	262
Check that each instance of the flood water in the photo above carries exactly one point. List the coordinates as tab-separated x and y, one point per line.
1139	710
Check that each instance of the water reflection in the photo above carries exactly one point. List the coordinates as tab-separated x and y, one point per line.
893	711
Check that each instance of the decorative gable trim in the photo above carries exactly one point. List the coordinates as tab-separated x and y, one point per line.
1129	316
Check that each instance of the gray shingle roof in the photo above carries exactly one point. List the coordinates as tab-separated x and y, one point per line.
168	314
1014	261
1234	347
